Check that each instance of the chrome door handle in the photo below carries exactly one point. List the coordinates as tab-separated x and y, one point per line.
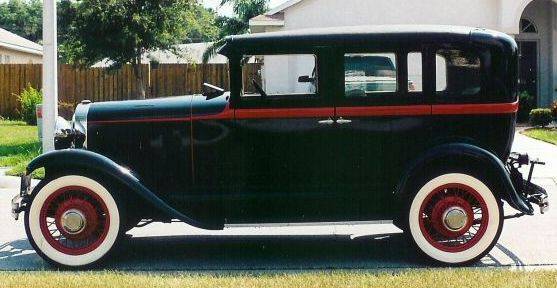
343	121
329	121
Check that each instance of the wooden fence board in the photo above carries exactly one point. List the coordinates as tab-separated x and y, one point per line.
100	84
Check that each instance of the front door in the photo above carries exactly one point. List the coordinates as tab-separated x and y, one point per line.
528	78
283	126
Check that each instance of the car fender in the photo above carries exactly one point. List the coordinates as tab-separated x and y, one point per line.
77	158
508	191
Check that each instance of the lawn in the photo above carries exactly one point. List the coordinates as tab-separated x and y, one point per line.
543	134
19	144
413	278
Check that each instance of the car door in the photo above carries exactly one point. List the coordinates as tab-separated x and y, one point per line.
284	120
373	99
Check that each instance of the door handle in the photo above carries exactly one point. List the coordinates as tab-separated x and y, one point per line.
342	121
329	121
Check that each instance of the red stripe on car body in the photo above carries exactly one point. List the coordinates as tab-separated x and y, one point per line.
377	111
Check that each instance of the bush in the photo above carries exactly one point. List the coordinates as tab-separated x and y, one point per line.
29	99
526	105
554	109
541	117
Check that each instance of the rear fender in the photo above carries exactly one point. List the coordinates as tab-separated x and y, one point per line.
83	159
478	155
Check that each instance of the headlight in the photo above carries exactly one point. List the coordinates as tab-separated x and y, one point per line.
79	124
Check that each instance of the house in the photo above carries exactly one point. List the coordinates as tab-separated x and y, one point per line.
191	53
18	50
533	23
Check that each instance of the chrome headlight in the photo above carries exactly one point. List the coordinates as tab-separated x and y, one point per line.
79	122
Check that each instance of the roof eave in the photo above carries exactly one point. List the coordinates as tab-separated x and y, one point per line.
283	7
277	23
21	49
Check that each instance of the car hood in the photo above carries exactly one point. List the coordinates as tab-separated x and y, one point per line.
153	109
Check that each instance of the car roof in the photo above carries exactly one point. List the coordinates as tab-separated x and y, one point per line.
334	36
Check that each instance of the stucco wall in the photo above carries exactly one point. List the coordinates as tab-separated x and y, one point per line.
15	57
327	13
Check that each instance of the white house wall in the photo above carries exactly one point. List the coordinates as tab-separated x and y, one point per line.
329	13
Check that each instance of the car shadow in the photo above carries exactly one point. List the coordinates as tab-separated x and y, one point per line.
225	254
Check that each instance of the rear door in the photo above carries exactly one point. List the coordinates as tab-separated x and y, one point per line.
376	125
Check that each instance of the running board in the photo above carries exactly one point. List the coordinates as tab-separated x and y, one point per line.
311	224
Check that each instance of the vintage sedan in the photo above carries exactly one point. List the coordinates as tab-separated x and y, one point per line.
293	143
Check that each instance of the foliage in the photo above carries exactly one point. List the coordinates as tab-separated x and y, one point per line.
543	134
244	10
22	17
28	101
526	104
554	109
541	117
19	144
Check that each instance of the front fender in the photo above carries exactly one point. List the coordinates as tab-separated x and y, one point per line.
480	155
83	159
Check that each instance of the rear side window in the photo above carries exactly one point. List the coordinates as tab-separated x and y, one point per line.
366	75
458	75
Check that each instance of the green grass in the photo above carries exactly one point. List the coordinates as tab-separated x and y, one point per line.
544	134
413	278
19	144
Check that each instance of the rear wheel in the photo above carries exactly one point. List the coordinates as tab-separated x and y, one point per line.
73	221
455	219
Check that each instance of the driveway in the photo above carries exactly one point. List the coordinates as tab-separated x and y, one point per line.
525	242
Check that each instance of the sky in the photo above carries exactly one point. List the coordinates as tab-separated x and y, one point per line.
227	10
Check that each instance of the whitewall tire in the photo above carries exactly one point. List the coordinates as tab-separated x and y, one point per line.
455	219
73	221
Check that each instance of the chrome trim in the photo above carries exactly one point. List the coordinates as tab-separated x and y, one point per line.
79	121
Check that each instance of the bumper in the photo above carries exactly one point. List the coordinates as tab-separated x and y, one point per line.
19	202
529	192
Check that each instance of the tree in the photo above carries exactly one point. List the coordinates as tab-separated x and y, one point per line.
244	10
23	17
121	31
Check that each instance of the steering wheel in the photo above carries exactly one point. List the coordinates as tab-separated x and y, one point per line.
258	88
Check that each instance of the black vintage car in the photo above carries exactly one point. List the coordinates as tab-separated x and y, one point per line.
410	124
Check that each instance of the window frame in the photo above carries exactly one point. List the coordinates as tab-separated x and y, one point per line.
281	100
402	96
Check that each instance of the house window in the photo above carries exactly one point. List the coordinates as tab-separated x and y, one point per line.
415	72
527	26
366	75
276	75
458	75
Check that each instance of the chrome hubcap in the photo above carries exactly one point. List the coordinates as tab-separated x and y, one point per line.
455	218
73	221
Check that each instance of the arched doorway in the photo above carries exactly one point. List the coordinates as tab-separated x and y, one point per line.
528	46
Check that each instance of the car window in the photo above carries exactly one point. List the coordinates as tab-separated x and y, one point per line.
279	75
415	72
368	74
458	74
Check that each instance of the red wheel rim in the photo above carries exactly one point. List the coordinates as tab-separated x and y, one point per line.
92	209
453	197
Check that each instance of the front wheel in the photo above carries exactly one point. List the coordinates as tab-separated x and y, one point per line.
72	221
455	219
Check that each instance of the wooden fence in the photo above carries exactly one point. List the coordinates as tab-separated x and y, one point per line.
100	84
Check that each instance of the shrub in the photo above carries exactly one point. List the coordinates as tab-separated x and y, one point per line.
554	109
526	105
28	100
541	117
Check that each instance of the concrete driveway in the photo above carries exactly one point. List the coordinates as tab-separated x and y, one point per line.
525	242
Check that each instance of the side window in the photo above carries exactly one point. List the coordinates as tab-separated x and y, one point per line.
279	75
458	75
366	75
415	72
